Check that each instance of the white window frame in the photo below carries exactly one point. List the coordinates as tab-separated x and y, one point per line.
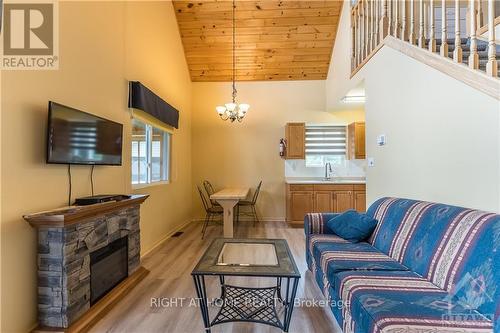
166	156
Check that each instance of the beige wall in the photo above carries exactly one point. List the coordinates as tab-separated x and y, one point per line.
102	45
338	83
443	136
241	154
442	141
154	56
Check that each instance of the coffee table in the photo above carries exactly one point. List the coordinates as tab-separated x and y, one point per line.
256	258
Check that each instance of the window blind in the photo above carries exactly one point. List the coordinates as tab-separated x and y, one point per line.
325	140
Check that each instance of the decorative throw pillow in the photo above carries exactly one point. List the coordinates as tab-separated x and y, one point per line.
352	225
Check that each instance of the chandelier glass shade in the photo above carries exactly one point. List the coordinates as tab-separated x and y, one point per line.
233	111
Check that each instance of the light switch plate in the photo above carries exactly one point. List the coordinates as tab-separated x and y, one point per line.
371	161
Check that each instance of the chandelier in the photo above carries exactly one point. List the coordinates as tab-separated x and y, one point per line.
233	111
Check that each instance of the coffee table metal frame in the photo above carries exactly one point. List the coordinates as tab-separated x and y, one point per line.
282	293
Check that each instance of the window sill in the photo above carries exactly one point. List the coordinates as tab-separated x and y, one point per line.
140	186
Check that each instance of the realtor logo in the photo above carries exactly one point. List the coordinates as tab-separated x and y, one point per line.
30	35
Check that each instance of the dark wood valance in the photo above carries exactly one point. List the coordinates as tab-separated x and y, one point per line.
142	98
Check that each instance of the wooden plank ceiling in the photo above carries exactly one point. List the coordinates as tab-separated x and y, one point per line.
275	40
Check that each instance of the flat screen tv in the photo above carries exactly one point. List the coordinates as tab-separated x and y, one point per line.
77	137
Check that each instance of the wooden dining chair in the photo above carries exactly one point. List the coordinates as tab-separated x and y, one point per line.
210	211
251	204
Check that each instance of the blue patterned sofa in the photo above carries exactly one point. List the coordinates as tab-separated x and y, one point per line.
426	268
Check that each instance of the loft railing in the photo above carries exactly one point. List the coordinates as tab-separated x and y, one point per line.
468	28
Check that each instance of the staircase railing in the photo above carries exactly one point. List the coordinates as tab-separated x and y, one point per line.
423	23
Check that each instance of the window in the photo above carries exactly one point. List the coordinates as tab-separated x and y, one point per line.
150	153
325	143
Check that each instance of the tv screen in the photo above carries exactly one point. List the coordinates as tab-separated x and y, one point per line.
77	137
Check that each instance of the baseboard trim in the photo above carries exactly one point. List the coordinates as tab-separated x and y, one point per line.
165	238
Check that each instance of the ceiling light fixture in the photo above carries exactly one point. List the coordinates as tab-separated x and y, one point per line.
353	99
233	111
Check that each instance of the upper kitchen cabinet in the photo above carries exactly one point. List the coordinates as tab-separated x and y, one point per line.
295	135
356	141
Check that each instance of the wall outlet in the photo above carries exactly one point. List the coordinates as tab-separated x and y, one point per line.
381	140
371	162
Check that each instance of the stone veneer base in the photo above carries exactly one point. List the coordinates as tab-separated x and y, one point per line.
64	262
101	308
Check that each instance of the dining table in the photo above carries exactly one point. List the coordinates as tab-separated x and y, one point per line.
228	198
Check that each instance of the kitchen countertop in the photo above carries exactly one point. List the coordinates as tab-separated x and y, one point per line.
321	180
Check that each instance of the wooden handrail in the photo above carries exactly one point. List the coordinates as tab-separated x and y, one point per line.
485	28
473	78
414	22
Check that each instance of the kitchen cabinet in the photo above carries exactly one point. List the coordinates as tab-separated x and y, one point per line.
356	146
342	201
323	201
300	201
322	198
360	199
295	136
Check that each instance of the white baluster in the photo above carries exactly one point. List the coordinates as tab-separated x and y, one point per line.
362	29
353	42
358	36
376	21
432	37
457	53
384	21
367	29
372	25
390	28
358	14
444	33
492	65
421	33
396	19
411	36
404	28
474	56
426	21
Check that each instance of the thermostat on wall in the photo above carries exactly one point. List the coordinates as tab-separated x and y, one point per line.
381	140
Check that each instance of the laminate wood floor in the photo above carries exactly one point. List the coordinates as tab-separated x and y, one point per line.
171	264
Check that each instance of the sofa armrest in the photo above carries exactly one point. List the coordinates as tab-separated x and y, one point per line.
315	223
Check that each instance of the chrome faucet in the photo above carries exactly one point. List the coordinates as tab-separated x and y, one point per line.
328	169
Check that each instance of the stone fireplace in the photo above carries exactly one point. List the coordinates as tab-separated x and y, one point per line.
104	244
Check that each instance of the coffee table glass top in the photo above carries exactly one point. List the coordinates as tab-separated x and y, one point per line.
247	257
247	254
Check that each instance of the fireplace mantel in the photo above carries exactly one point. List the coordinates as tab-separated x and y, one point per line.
66	238
61	217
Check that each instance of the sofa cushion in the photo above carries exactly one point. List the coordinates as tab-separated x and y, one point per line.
453	247
397	301
319	267
352	225
317	239
360	261
330	258
390	213
457	249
